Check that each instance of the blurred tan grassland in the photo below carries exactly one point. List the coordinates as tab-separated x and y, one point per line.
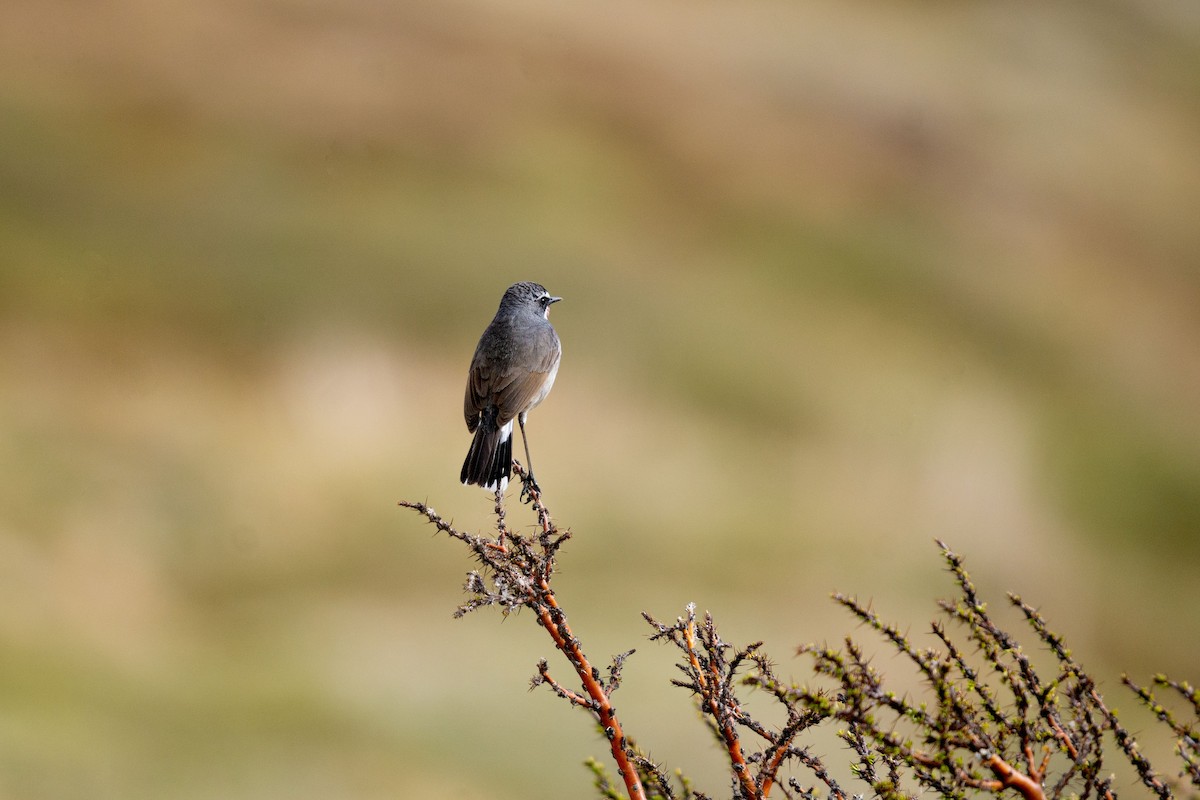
840	278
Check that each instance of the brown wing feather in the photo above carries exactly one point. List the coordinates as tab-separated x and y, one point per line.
515	392
511	389
476	396
518	394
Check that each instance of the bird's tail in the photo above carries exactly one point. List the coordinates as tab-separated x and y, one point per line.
489	461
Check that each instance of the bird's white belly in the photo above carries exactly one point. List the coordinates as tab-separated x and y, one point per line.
546	387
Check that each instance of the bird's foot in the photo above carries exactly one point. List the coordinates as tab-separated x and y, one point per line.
529	488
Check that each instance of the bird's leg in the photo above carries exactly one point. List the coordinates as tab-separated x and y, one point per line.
528	484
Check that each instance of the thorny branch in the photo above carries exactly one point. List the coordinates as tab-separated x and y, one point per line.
711	668
516	573
987	720
1187	733
972	734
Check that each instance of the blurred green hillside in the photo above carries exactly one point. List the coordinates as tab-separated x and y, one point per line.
840	278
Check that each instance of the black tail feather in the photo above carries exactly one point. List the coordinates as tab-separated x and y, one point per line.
489	461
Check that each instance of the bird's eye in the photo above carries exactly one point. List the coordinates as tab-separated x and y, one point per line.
544	299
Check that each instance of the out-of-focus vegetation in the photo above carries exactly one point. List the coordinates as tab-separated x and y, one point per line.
839	278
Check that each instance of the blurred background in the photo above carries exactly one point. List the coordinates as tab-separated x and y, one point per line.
839	278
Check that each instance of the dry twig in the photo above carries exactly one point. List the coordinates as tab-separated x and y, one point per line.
987	721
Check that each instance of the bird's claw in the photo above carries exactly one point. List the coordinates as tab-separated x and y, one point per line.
529	488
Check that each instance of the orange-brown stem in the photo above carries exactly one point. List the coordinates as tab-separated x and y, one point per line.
554	621
772	767
548	610
1065	739
728	734
1012	779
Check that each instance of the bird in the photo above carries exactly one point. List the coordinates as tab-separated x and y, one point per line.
512	371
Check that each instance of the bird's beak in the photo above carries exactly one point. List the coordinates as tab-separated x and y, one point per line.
554	300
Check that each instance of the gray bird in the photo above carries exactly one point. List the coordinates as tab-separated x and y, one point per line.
512	371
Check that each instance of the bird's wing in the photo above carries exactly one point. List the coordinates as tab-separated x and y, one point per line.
479	380
516	389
